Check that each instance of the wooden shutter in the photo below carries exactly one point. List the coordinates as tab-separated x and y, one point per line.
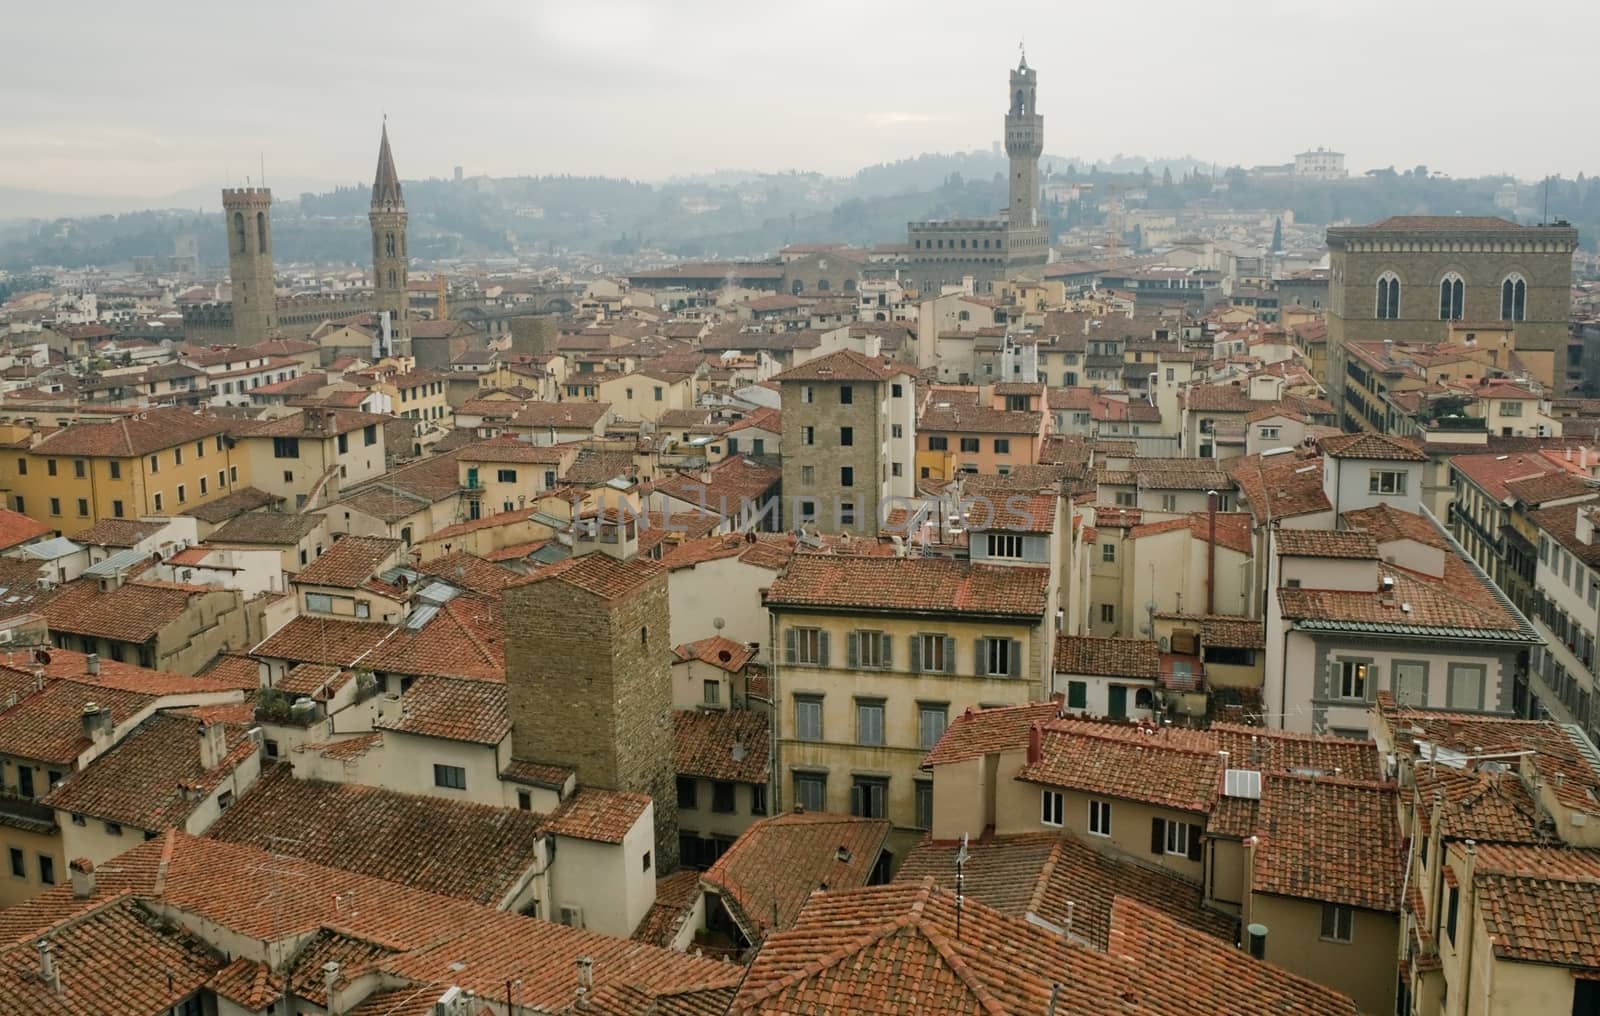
1371	690
980	659
916	654
1015	658
885	648
1194	842
1158	836
822	649
853	649
788	645
949	655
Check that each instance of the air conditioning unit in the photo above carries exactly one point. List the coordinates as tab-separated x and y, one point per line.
571	916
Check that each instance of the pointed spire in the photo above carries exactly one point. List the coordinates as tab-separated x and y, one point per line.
386	184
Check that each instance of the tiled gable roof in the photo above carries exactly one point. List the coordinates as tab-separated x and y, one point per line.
1330	840
146	780
1459	604
137	434
730	745
47	725
1108	657
1225	630
472	711
732	481
16	528
1385	524
604	816
844	365
1540	904
349	562
1383	447
768	873
468	571
133	612
1280	486
909	584
454	848
1233	529
1148	769
1476	805
722	653
599	574
276	529
313	424
1326	543
1225	398
979	732
245	499
676	896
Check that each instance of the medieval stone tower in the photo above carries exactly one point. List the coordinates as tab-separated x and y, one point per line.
588	682
388	219
1024	145
248	212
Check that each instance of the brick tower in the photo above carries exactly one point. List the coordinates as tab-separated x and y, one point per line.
588	680
388	219
248	212
1024	145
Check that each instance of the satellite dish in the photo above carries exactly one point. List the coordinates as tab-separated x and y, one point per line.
718	623
739	752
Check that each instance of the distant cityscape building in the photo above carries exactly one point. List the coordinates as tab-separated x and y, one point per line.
388	219
947	251
1320	164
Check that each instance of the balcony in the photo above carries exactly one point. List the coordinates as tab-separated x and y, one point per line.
25	813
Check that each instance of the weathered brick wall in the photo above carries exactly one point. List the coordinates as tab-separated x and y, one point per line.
589	685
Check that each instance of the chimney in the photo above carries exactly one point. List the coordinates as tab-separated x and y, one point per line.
330	978
213	745
96	721
1257	936
82	877
585	980
47	965
91	664
1035	744
1222	775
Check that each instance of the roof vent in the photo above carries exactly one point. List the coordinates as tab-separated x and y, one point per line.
842	855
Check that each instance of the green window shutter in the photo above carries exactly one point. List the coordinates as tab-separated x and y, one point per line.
980	659
822	649
1158	836
852	643
916	654
788	645
1372	682
886	649
949	655
1194	842
1015	658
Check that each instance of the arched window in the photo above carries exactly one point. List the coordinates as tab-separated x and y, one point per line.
1017	107
1388	296
964	316
391	278
822	285
798	287
1452	292
849	285
238	233
388	244
1514	299
1143	698
261	232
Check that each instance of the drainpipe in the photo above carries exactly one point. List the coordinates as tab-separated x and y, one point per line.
1211	552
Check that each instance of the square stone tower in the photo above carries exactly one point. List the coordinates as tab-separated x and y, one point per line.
248	212
588	679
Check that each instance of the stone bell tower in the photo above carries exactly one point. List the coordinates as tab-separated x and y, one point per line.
388	219
1024	145
247	212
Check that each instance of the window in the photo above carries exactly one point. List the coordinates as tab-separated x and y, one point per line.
55	506
233	474
722	796
1353	679
808	394
47	870
712	691
1108	613
270	747
1388	297
1000	657
847	436
451	777
869	650
933	653
1077	694
155	465
869	722
50	466
177	456
758	799
938	444
687	786
932	718
286	448
846	395
1127	499
1451	911
1466	686
868	796
896	469
1411	683
1050	807
1169	502
896	391
897	431
969	444
22	467
647	860
1451	293
808	510
808	435
156	500
183	495
1337	922
369	434
1100	818
847	476
19	863
506	475
1005	545
808	475
1513	299
807	647
1108	552
1269	432
807	718
524	801
363	609
224	800
344	443
319	603
78	468
924	796
203	486
1177	838
1386	481
1002	446
83	503
811	791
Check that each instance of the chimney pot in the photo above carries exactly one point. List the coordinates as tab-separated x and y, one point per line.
91	663
1035	744
213	745
82	877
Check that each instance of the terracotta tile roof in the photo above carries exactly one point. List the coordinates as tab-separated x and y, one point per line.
1224	398
313	680
513	450
138	434
113	958
733	481
845	365
1358	545
122	533
867	951
1330	840
248	984
47	725
311	423
1560	523
604	816
1460	604
1014	513
1078	654
17	528
277	529
910	585
770	871
454	848
1281	486
307	639
1492	473
146	780
1151	770
472	711
722	653
676	895
235	669
1487	807
1233	530
731	745
1383	447
133	612
1540	490
599	575
1539	903
539	774
955	418
1225	630
349	562
1443	223
1039	873
1280	751
469	571
979	732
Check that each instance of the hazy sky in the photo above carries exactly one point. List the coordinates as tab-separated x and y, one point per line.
109	97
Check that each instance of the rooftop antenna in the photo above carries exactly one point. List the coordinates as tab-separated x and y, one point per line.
961	863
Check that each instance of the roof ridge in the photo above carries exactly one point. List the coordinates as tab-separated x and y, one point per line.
1046	872
961	969
873	934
